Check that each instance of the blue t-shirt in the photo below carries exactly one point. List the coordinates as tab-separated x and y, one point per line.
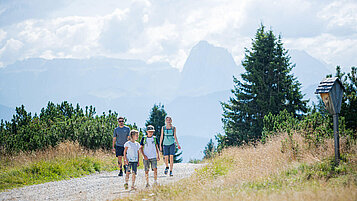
121	135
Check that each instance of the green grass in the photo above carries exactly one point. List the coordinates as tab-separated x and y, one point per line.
217	167
310	176
53	170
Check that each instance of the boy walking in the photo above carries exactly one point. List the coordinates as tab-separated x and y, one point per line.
120	137
150	151
131	158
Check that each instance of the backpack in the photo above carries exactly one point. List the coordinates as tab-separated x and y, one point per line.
145	137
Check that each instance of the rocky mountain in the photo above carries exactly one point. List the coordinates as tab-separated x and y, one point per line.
207	69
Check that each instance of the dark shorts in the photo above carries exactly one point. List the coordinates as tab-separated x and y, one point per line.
169	149
132	166
119	151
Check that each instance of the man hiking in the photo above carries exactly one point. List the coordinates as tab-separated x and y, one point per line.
120	137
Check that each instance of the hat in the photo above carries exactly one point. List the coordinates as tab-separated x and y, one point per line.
150	128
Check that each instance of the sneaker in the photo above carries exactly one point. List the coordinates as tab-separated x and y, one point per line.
166	170
147	185
171	174
120	173
133	188
126	186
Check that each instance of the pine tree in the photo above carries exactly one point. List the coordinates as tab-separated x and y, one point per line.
266	86
209	150
157	119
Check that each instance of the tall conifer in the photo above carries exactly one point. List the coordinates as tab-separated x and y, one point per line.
266	86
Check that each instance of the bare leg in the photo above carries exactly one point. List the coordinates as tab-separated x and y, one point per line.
120	162
155	175
133	179
171	162
127	177
147	177
167	161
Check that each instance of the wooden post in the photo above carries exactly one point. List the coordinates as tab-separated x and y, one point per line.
337	139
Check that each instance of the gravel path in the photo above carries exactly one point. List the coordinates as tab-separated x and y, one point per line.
101	186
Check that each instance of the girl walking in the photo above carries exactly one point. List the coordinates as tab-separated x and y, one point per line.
168	139
131	158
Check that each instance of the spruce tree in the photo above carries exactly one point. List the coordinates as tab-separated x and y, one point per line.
157	119
267	86
209	150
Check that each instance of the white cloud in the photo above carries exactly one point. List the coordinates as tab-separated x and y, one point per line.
167	30
340	14
2	35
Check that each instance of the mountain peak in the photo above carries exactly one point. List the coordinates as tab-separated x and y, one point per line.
206	66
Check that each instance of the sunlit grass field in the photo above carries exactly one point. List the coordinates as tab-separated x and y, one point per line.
65	161
270	171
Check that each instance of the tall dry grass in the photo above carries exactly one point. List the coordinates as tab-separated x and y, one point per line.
225	176
64	150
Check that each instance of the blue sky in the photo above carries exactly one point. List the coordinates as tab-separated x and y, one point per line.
166	30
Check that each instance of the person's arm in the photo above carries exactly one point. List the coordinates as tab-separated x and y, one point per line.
157	152
178	145
142	149
138	158
161	138
114	140
125	159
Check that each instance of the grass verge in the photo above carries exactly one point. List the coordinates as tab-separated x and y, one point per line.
68	160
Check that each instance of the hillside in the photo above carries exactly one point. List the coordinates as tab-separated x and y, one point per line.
268	172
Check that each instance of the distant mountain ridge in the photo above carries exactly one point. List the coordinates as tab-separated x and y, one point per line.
131	87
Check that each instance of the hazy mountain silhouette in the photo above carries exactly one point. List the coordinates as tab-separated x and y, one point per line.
132	87
207	69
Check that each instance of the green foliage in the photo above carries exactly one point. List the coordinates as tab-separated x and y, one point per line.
55	124
349	100
157	119
267	86
209	150
219	166
314	127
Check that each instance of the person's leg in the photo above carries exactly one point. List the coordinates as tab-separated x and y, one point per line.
155	175
147	168
154	167
119	153
171	162
120	159
172	153
134	169
166	158
127	178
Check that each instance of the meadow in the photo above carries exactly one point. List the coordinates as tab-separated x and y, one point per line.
66	160
269	171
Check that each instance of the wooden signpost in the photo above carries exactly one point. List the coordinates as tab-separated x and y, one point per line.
331	92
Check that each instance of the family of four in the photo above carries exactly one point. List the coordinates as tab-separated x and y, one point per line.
125	146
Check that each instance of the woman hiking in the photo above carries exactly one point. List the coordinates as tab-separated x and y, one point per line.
168	139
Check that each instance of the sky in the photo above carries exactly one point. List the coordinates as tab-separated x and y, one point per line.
166	30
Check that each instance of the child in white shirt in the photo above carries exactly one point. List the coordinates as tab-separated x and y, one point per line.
131	158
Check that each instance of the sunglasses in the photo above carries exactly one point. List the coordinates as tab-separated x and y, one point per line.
120	121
